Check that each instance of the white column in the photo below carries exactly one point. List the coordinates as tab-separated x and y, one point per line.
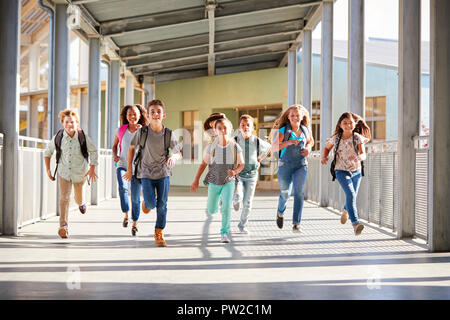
356	69
61	65
129	88
34	118
307	70
114	114
326	108
292	75
9	113
94	104
439	220
149	87
408	109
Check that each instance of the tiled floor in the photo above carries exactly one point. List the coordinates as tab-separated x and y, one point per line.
101	260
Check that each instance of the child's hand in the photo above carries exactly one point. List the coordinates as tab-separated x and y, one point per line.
294	142
304	152
116	158
49	174
231	173
171	161
194	186
128	175
92	177
324	160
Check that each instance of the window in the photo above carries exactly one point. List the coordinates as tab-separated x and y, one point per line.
189	148
376	117
315	124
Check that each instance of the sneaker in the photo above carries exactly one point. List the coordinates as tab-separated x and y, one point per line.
344	216
63	232
134	230
279	221
296	229
243	230
82	208
358	229
236	205
224	238
144	208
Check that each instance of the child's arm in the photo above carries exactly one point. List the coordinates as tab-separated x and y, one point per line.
47	156
194	185
326	152
240	166
47	167
279	144
114	149
93	160
362	152
175	157
129	173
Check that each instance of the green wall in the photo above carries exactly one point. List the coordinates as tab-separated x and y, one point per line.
219	93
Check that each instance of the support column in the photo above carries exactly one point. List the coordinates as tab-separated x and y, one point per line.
326	108
62	70
34	118
94	104
292	76
113	115
307	71
439	218
408	109
9	112
149	87
129	88
84	108
356	67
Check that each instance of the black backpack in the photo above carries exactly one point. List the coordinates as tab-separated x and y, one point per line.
81	140
141	145
333	163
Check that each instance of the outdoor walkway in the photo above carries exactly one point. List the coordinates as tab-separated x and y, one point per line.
101	260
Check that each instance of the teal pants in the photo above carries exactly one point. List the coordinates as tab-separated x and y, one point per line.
224	192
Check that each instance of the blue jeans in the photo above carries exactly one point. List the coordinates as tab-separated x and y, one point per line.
123	193
292	178
157	199
350	184
245	192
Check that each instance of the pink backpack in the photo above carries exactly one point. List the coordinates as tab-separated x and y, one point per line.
122	130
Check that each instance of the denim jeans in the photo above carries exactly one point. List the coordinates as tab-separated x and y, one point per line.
123	193
245	193
292	178
157	199
224	192
350	184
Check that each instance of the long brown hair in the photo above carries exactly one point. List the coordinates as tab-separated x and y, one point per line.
283	119
143	119
361	126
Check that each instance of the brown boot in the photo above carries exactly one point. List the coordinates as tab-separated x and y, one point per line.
159	239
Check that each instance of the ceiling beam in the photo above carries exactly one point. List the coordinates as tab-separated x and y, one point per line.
25	10
121	27
313	18
210	6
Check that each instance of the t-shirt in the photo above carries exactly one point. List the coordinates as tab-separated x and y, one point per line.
153	160
347	158
125	145
249	149
222	161
302	138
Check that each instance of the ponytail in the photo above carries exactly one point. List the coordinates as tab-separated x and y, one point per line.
361	127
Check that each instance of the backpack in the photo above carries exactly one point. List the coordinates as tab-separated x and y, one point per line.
81	140
141	145
333	163
120	134
288	132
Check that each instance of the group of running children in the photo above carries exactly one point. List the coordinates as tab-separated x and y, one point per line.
145	151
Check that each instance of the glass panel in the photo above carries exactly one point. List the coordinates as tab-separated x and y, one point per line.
195	116
369	107
380	130
380	106
187	119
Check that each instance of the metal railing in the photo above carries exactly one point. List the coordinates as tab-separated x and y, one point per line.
421	144
1	182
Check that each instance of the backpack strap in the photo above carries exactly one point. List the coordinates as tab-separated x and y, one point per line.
167	137
257	146
83	144
58	139
120	134
355	146
137	159
333	163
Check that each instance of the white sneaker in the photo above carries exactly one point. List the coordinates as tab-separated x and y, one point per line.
224	238
243	230
236	205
